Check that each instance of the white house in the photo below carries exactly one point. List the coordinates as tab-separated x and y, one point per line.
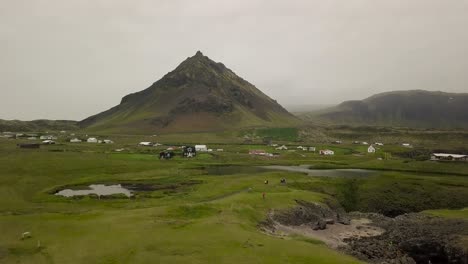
371	149
201	148
327	152
47	137
75	140
283	147
92	140
145	144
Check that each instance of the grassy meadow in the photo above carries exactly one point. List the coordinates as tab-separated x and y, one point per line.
196	214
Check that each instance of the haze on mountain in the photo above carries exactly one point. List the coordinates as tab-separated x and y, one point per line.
199	95
414	109
71	59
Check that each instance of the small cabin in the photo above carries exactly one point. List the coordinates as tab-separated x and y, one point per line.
326	152
92	140
166	155
259	152
201	148
189	152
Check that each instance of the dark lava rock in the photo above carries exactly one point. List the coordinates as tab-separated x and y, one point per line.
411	238
315	215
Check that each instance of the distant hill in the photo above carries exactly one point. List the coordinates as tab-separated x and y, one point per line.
199	95
37	125
415	108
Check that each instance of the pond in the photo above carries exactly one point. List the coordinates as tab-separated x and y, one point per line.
98	189
231	169
324	172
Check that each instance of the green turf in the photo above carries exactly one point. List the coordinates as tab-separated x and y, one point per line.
212	221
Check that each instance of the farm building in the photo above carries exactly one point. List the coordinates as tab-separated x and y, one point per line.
47	137
449	157
145	144
257	152
326	152
92	140
201	148
371	149
75	140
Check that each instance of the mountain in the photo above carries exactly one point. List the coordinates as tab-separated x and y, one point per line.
199	95
37	125
415	108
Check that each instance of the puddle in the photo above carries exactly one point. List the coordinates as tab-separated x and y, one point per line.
98	189
325	173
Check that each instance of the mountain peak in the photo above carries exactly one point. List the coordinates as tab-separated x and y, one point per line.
199	95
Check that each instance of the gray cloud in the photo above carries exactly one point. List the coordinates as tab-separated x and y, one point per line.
70	59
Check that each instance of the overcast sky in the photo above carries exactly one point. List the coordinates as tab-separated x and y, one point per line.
68	59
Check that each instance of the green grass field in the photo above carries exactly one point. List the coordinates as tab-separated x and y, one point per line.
212	221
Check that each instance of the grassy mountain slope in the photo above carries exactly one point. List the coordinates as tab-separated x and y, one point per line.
37	125
199	95
415	108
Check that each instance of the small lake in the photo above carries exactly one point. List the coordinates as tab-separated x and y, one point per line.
323	173
98	189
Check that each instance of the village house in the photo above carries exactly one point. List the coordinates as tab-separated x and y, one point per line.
48	142
259	152
47	137
371	149
75	140
326	152
283	147
448	157
189	151
92	140
201	148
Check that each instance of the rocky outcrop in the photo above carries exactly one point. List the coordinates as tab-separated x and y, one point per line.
411	238
316	216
